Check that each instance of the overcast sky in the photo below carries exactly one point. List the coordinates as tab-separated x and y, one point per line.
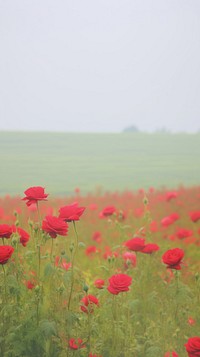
99	65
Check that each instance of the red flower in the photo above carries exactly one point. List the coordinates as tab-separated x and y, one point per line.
5	253
107	211
168	220
183	233
76	344
195	216
91	250
173	258
54	226
5	231
62	263
169	354
170	195
193	346
99	283
130	259
71	212
191	321
34	194
150	248
136	244
23	235
97	237
30	284
119	283
87	303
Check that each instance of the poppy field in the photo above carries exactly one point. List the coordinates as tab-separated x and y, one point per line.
112	275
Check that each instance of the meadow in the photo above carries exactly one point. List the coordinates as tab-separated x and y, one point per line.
108	275
97	162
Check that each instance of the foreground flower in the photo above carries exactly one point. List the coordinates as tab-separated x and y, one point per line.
5	231
6	252
54	226
76	344
71	212
173	258
119	283
88	302
34	194
193	346
136	244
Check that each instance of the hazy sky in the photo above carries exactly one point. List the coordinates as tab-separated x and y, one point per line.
99	65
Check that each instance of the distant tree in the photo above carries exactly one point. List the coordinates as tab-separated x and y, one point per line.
131	128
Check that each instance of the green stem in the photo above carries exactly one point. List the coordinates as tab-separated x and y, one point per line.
39	242
5	283
72	266
51	254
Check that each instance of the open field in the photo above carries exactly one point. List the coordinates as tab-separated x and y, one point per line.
63	161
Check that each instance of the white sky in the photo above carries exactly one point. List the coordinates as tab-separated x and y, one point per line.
99	65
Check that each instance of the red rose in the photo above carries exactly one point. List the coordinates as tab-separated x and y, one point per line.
71	212
193	346
183	233
97	237
150	248
5	231
136	244
88	302
34	194
173	257
99	283
54	226
170	195
195	216
76	344
119	283
23	235
107	211
129	259
5	253
91	250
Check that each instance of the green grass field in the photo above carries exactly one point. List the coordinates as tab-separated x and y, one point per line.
63	161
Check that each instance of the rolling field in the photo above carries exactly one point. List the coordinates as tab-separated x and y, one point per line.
63	161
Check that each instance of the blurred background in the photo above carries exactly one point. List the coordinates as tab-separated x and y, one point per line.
115	82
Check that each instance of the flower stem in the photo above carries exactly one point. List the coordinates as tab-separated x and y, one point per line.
5	283
72	266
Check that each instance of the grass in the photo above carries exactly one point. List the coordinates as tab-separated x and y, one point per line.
63	161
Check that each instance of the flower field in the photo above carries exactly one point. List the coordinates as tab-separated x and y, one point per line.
108	275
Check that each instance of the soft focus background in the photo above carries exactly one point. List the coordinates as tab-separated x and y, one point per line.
115	82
